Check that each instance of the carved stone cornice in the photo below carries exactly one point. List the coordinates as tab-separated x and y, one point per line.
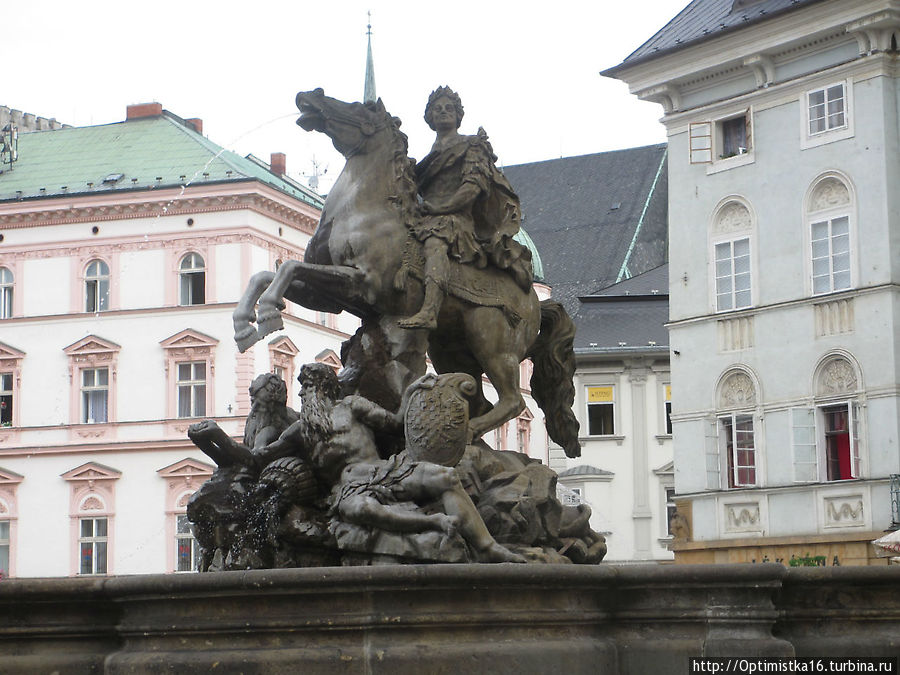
148	208
96	249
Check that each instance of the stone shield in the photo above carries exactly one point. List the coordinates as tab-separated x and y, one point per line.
437	418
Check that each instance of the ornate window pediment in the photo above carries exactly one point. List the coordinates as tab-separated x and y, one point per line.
732	217
737	391
190	343
837	376
92	472
328	357
91	350
829	193
187	472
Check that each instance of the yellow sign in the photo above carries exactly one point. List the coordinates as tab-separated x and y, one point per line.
600	394
668	392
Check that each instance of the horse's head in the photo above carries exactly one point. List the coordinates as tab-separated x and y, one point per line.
350	126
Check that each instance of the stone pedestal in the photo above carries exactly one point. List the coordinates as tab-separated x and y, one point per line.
443	619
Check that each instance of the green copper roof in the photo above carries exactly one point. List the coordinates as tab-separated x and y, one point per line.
523	238
139	154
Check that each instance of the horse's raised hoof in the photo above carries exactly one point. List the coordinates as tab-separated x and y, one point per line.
269	322
246	338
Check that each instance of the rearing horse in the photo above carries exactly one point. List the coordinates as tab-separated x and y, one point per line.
359	257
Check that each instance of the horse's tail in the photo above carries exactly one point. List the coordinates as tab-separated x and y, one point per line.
553	355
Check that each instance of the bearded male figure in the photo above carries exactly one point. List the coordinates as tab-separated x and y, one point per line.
470	211
336	436
218	508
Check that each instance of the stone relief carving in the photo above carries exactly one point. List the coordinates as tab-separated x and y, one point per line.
837	377
733	217
845	511
742	517
828	194
737	391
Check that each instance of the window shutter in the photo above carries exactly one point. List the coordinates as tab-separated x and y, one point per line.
748	130
713	461
803	444
701	142
853	410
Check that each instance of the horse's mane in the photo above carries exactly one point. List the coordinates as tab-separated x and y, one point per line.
402	166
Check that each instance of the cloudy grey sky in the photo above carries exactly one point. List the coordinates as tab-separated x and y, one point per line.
527	72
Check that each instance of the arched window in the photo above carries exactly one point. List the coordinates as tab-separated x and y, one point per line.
731	240
826	437
734	439
829	217
96	286
192	280
6	293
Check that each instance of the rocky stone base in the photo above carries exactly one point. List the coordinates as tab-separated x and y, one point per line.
445	619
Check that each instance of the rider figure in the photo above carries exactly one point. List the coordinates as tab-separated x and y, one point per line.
470	212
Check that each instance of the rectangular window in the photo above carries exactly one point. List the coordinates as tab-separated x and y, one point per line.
670	508
668	404
4	549
830	254
841	442
734	137
94	395
803	441
192	389
92	546
96	295
187	551
601	411
6	301
6	399
827	109
736	441
733	274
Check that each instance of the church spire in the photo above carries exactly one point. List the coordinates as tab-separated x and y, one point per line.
369	93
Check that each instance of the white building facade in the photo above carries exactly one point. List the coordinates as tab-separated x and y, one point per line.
784	265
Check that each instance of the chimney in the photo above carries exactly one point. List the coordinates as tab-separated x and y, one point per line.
196	123
278	163
137	111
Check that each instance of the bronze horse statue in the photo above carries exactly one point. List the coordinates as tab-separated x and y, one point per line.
361	259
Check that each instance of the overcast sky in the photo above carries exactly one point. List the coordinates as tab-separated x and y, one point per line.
527	72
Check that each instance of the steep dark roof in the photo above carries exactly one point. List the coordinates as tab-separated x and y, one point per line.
706	19
595	217
626	316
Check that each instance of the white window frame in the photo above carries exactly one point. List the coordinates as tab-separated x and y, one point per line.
733	455
7	288
800	451
87	390
8	389
94	540
187	538
190	385
809	139
669	508
732	275
828	219
187	270
615	433
96	286
6	543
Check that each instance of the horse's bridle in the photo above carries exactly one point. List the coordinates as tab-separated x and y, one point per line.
365	127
